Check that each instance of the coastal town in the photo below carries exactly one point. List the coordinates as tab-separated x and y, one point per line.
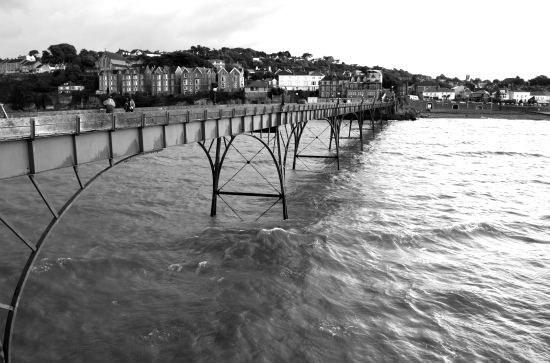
261	79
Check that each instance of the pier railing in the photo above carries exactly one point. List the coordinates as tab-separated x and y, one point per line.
68	124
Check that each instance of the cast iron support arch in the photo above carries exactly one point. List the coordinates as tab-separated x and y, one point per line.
334	124
36	249
217	164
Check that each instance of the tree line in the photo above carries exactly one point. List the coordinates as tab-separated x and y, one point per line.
80	67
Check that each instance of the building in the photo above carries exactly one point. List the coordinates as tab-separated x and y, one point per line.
136	79
12	66
353	85
421	86
223	80
363	87
217	63
166	80
480	95
438	93
236	77
110	81
542	97
148	53
30	66
3	66
43	68
520	96
271	82
305	81
69	87
198	79
462	93
111	61
332	87
230	81
123	52
256	92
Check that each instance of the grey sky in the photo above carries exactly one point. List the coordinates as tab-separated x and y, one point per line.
486	39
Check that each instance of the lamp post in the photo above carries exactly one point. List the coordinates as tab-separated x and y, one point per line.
215	90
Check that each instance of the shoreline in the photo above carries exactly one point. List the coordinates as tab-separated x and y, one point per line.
494	115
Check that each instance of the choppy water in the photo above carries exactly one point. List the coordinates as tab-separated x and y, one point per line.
432	245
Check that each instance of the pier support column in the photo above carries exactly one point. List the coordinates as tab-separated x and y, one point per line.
216	166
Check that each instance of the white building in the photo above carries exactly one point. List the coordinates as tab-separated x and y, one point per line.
520	96
300	80
438	93
541	96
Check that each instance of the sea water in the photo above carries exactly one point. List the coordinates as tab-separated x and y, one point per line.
431	245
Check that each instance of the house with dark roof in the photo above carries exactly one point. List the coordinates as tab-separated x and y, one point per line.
331	87
256	92
123	52
30	66
166	80
12	66
198	79
137	78
419	87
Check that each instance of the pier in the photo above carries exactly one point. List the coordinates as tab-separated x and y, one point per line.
33	145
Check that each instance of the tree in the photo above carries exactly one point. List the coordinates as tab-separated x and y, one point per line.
61	53
307	56
34	53
497	96
540	81
73	73
88	58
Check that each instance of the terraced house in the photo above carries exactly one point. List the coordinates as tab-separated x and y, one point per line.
110	81
363	87
117	76
136	79
198	79
166	80
230	81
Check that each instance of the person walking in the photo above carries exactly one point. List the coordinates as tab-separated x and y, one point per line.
109	104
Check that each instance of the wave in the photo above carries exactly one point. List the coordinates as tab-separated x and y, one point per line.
501	153
467	229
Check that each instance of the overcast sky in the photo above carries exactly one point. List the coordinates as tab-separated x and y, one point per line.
483	38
